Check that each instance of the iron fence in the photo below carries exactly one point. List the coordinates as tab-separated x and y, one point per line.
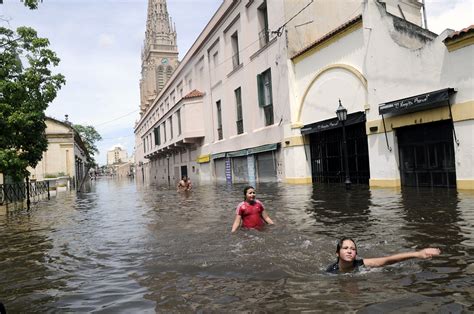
17	192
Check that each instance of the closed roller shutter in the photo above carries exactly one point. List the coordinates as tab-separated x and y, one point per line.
240	169
266	167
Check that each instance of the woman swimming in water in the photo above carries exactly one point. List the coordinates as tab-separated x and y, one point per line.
347	261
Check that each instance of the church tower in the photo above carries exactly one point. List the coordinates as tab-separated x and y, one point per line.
159	54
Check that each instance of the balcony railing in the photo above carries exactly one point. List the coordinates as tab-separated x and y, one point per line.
240	126
186	133
264	37
268	110
235	60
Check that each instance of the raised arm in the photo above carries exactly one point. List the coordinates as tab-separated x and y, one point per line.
237	221
267	218
387	260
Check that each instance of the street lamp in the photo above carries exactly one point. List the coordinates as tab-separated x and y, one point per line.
168	158
341	113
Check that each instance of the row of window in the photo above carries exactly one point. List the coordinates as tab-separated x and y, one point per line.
265	101
263	79
263	38
169	101
160	132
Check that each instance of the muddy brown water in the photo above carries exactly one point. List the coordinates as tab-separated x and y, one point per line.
123	247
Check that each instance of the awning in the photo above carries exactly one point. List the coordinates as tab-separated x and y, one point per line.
237	153
353	118
247	151
415	103
262	149
218	155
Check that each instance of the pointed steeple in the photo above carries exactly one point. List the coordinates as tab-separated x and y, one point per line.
160	52
158	26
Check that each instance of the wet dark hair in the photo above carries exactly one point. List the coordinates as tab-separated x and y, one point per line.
248	187
339	245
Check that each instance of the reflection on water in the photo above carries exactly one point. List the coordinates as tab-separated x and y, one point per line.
122	247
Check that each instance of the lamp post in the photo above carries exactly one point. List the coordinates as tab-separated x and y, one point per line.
168	159
341	113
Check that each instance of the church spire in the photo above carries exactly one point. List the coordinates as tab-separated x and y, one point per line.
159	29
160	52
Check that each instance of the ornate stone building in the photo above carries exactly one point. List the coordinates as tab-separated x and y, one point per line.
160	52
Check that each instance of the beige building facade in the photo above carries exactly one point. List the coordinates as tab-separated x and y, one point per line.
117	155
66	154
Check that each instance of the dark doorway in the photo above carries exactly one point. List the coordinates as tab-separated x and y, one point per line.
184	171
427	155
327	162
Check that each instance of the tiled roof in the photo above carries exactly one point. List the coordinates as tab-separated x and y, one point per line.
329	35
193	94
460	33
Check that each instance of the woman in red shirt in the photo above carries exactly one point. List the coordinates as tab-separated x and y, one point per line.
250	213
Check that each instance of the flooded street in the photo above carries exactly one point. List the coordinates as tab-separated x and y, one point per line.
120	247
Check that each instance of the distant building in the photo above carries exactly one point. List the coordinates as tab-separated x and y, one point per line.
66	154
116	156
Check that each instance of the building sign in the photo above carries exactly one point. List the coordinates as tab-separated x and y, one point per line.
251	168
204	158
228	171
353	118
419	102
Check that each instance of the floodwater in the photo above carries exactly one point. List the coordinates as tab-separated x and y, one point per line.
125	248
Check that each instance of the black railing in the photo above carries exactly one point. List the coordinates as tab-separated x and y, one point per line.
11	193
268	110
240	126
17	192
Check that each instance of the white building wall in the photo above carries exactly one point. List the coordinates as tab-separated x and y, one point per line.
401	66
394	64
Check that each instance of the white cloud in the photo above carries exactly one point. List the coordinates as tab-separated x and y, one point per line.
117	145
456	15
106	41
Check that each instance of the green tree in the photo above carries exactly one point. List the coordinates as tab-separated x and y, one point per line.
27	87
90	137
32	4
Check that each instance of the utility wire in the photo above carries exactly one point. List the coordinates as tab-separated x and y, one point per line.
125	115
115	138
279	30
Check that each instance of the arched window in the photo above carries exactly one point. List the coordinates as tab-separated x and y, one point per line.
169	71
160	78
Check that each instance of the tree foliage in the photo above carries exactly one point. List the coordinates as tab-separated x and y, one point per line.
27	87
32	4
90	137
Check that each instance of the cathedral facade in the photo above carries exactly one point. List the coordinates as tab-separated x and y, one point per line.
159	54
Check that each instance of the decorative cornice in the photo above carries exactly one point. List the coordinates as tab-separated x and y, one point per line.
330	37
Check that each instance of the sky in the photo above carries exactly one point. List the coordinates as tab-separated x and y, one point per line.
99	43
